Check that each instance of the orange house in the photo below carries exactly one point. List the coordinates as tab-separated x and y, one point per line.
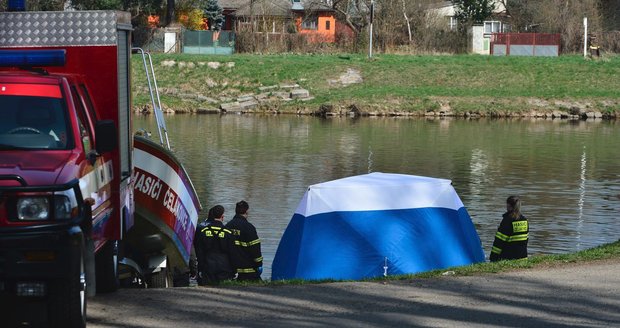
319	26
313	18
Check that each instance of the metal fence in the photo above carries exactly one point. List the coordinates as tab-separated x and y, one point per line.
149	39
525	44
208	42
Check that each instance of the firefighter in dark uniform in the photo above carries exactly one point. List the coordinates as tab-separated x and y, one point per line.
196	262
215	249
511	238
249	264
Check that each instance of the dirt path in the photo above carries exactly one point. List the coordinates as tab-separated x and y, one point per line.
584	295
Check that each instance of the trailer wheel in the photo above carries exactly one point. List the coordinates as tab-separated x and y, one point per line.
107	268
67	298
161	279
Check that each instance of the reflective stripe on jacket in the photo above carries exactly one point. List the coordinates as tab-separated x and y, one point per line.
248	244
510	239
217	249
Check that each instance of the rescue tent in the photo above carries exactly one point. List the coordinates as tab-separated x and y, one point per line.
376	224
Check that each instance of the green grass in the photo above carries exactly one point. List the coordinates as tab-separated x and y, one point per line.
603	252
465	81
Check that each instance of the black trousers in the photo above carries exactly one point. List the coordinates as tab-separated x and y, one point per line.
252	276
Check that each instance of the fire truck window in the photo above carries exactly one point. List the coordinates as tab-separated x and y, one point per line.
85	135
33	122
89	102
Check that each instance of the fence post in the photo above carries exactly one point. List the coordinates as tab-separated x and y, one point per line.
534	44
508	44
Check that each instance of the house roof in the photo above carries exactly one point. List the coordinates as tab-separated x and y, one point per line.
270	7
316	5
439	4
233	4
266	8
447	8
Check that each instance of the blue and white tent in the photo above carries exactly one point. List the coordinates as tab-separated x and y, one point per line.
374	224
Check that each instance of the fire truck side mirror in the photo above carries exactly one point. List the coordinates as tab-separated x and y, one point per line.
106	136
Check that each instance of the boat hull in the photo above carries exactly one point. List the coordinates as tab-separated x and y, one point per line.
167	206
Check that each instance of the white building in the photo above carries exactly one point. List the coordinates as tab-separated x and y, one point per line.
480	35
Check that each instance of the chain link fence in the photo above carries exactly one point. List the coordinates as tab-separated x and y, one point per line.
156	40
149	39
208	42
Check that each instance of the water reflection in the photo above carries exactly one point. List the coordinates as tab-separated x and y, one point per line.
566	173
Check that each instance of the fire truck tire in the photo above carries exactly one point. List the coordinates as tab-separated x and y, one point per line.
106	267
161	279
89	264
67	298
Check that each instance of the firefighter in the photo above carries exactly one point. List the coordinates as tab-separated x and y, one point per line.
196	263
512	234
215	249
250	261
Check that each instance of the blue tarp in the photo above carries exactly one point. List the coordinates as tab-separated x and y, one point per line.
374	224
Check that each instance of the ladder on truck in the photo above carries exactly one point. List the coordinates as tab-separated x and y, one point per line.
154	93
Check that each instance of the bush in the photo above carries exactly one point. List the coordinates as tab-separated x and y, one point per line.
259	42
610	41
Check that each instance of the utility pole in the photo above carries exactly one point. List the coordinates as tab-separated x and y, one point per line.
585	37
372	14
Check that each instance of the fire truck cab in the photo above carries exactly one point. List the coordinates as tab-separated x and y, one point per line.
65	157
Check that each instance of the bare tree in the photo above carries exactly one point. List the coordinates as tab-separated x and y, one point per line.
353	12
566	17
611	13
407	20
520	14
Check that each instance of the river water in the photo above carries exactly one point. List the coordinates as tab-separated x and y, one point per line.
566	172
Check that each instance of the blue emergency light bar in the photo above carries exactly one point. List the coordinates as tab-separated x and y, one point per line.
17	5
32	58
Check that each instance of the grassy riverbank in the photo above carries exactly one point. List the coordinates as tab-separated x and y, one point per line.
603	252
609	251
452	85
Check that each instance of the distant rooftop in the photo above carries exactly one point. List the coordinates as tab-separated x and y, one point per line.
271	7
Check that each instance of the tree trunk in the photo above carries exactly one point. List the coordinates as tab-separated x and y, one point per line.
342	8
407	20
169	12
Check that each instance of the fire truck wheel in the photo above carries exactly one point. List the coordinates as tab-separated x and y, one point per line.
106	267
67	298
161	279
89	265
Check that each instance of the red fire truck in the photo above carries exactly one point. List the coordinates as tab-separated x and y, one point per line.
66	165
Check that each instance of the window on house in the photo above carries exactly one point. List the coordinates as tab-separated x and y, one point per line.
310	23
297	5
492	27
328	25
453	23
